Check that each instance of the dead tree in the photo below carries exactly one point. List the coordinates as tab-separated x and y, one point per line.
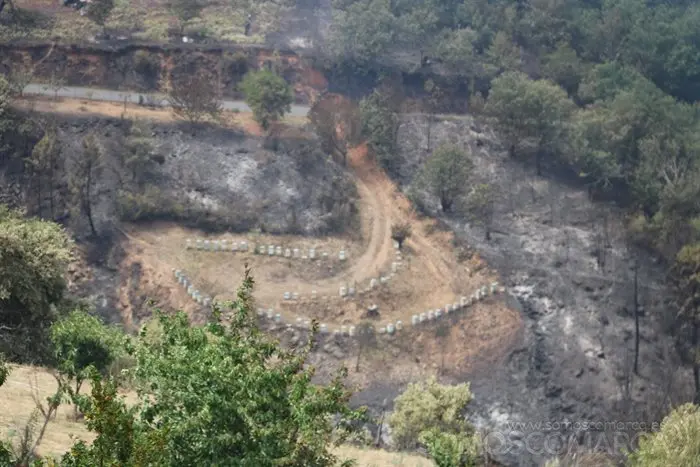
86	167
635	308
194	96
442	332
43	164
400	232
365	339
337	123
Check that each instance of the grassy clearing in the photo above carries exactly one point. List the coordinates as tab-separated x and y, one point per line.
140	20
27	383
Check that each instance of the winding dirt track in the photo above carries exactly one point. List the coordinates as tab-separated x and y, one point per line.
380	206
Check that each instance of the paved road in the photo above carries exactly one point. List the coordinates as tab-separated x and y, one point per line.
157	99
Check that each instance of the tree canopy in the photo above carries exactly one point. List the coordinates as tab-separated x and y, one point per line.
434	414
380	124
81	341
446	173
34	255
268	95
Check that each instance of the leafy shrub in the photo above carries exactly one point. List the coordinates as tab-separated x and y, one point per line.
677	443
268	95
152	204
426	406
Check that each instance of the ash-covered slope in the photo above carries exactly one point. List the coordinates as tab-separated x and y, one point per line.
574	284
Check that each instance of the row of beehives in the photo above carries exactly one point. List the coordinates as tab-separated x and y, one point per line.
464	302
192	291
351	331
390	328
350	291
268	250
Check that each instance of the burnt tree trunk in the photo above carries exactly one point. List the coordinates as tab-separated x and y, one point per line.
88	201
636	318
696	363
359	354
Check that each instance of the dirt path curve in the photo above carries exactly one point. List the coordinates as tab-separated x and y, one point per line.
380	206
433	267
376	218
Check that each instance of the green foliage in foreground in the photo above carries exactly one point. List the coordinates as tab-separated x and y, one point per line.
451	449
434	415
222	394
34	255
677	443
81	342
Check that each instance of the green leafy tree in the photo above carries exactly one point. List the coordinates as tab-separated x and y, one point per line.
99	10
82	341
185	11
590	154
446	174
217	395
606	80
503	54
417	24
34	255
428	407
677	443
532	115
7	123
120	439
564	67
456	50
268	95
18	78
480	207
363	32
380	124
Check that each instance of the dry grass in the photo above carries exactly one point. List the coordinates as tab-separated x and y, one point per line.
379	458
17	404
